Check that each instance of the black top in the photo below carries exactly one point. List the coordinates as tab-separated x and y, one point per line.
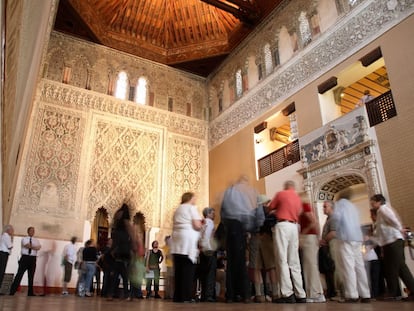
90	254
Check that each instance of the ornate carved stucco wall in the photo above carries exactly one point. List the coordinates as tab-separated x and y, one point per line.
366	21
341	154
88	150
96	67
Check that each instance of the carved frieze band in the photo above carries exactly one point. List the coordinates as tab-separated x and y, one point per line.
77	98
353	32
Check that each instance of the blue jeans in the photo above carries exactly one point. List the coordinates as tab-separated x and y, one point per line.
88	275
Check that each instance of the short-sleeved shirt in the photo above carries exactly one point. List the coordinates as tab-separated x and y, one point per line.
69	253
328	227
6	243
304	221
184	237
287	204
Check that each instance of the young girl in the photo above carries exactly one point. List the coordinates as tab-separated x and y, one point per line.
152	265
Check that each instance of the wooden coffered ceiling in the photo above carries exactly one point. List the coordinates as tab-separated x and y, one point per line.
192	35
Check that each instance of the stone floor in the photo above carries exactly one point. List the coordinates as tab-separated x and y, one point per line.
20	302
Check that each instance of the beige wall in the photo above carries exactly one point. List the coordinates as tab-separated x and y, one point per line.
395	136
229	160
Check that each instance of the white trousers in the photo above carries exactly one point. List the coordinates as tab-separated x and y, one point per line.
309	244
286	239
354	275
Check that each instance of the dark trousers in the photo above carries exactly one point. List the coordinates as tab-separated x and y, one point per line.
330	284
106	282
135	291
207	275
4	257
237	283
395	268
374	276
26	263
184	277
120	268
156	283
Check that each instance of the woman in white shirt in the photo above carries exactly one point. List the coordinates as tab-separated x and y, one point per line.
186	233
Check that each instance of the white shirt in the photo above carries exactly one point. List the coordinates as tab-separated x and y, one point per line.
207	236
35	243
184	238
387	227
69	253
369	253
6	243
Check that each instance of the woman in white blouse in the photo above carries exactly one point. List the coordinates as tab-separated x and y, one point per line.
187	224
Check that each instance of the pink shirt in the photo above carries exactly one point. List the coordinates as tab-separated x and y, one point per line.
287	204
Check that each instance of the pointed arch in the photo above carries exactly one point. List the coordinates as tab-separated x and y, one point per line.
121	87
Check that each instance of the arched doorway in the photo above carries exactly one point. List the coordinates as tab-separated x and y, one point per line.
100	228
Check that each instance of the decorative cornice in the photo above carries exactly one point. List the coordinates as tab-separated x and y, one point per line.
77	98
362	25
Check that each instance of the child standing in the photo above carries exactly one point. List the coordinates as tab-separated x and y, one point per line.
152	264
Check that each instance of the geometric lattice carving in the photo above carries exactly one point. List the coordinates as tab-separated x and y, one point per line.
125	166
53	163
185	173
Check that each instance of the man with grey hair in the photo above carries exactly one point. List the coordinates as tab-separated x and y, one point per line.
287	207
328	248
6	245
208	261
238	217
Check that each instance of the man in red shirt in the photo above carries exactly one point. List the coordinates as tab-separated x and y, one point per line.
287	206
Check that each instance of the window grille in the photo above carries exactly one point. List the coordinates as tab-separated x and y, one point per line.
381	108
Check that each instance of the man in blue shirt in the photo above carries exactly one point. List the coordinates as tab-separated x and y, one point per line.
349	239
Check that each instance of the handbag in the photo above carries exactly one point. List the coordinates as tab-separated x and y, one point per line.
149	274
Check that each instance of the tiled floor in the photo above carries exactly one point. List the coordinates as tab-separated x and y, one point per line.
20	302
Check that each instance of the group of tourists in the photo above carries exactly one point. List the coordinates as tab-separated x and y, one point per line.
286	252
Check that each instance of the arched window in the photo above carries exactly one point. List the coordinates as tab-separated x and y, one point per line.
268	58
304	28
121	85
239	83
141	92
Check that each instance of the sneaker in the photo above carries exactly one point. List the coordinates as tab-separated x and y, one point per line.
64	293
319	299
157	296
87	294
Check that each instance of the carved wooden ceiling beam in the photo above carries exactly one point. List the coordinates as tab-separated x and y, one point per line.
243	10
